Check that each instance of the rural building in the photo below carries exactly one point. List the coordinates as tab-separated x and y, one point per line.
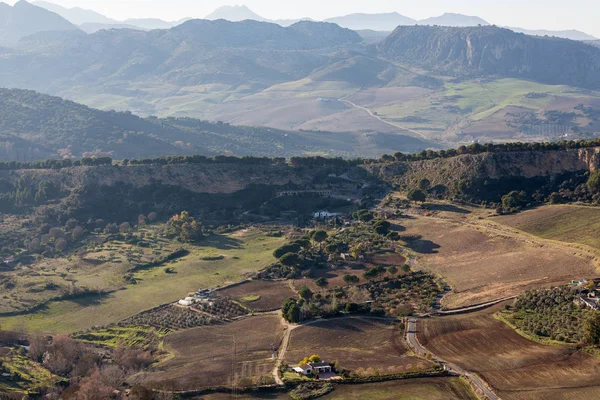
325	214
188	301
313	368
304	369
588	302
321	368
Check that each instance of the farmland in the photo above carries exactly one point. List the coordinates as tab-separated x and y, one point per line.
259	295
566	223
360	345
429	388
516	367
482	262
204	357
244	254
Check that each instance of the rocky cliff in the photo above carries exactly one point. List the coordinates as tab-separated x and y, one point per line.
492	166
198	178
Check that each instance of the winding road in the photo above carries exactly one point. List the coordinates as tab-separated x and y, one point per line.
413	342
373	115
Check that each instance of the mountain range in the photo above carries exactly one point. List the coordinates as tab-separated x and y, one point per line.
91	21
24	19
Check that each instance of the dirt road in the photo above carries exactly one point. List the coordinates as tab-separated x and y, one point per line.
418	348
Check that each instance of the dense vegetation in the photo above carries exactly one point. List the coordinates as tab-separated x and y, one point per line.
552	314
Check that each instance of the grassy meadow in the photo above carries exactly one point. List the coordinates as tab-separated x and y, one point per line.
244	253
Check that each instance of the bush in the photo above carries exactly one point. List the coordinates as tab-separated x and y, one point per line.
287	248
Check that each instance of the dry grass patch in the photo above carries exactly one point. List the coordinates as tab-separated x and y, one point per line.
356	343
204	357
481	263
567	223
512	364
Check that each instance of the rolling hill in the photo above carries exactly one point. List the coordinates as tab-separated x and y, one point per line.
24	19
34	126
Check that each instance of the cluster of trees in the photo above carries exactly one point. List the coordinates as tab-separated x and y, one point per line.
552	313
56	164
87	373
185	227
477	148
25	193
308	161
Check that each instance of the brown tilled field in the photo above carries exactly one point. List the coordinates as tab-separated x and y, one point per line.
260	295
482	263
516	367
203	357
358	344
410	389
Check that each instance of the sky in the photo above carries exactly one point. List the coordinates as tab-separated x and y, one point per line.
530	14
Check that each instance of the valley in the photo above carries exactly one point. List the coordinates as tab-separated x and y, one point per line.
358	206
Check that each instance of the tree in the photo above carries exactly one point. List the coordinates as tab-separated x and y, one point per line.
424	184
61	245
593	182
291	311
111	229
290	260
393	270
305	293
351	279
287	248
185	227
514	201
319	237
382	227
363	215
591	329
77	233
416	195
191	231
321	282
125	227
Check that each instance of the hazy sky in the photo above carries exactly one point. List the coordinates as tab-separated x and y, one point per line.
532	14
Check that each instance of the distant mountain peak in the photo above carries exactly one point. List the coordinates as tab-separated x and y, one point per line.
234	13
24	19
453	19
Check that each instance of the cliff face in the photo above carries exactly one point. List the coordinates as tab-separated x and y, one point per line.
526	164
199	178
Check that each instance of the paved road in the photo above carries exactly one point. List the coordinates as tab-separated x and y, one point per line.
413	342
475	307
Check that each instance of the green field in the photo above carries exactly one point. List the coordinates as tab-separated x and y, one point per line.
460	103
245	253
566	223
